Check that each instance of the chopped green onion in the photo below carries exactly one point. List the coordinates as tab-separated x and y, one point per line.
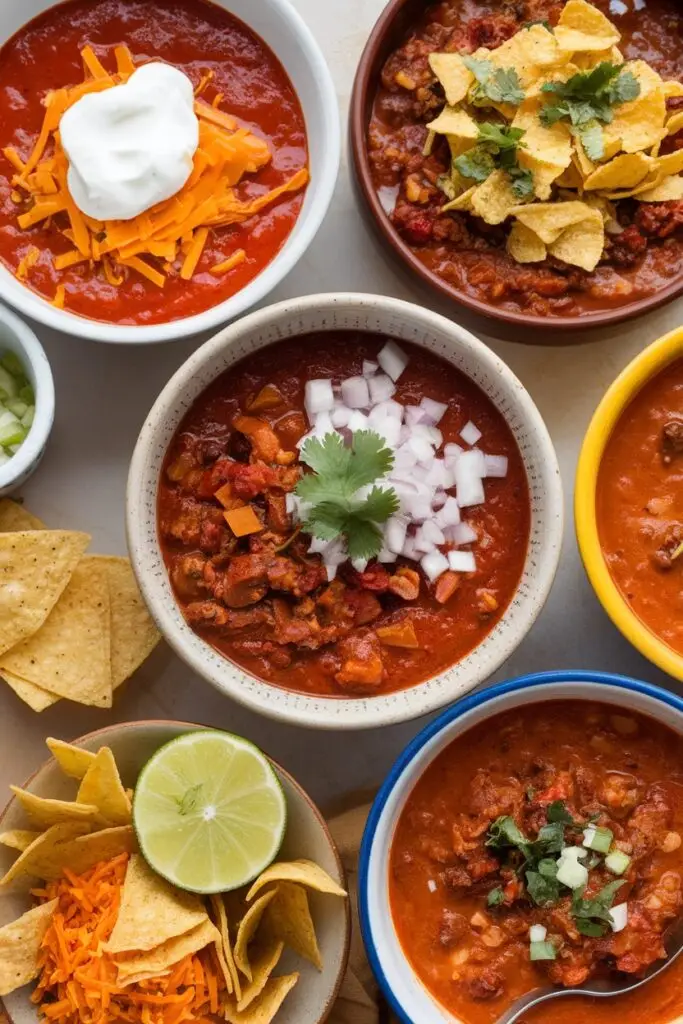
12	434
12	364
27	395
17	406
542	951
617	862
598	838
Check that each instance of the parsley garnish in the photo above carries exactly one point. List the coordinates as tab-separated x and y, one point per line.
497	148
542	885
494	85
593	915
557	812
587	99
339	471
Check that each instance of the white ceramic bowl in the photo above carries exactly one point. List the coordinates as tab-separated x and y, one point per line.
400	320
17	337
307	836
282	28
408	997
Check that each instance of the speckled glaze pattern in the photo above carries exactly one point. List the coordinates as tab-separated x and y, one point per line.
307	837
401	320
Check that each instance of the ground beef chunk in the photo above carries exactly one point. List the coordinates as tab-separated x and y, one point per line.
672	440
659	220
452	927
627	248
484	983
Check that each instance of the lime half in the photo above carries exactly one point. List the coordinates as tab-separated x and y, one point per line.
209	812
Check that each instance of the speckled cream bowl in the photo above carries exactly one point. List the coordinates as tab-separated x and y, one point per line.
307	836
642	369
403	321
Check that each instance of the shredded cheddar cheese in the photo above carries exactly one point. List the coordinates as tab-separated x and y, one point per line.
175	230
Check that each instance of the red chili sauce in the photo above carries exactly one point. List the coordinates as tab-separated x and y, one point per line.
461	249
194	36
292	628
624	772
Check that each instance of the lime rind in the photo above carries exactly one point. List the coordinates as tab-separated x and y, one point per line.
209	812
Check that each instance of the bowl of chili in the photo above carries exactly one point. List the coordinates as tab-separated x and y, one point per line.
176	263
627	502
565	761
399	172
301	627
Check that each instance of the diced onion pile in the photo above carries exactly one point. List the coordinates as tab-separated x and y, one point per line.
433	481
17	406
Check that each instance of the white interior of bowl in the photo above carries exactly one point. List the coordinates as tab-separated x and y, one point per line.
414	1000
400	320
281	27
306	837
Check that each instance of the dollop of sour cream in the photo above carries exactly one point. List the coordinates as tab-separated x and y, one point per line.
131	146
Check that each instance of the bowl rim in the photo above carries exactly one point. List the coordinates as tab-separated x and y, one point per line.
412	753
26	459
362	92
310	710
303	232
646	365
119	727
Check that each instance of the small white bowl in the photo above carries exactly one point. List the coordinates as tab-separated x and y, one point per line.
307	837
282	28
409	999
17	337
401	320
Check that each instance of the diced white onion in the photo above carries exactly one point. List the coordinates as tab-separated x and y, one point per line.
434	564
392	359
430	531
434	410
331	571
369	367
390	429
537	933
414	414
317	546
385	556
421	448
431	885
619	916
449	514
381	388
404	458
355	392
359	564
395	533
291	503
318	397
439	500
340	416
463	533
496	465
470	433
452	453
323	424
357	421
462	561
410	551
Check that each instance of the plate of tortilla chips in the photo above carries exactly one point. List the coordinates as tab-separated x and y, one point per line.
73	626
90	933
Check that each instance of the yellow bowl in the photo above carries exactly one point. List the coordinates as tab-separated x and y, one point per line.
643	368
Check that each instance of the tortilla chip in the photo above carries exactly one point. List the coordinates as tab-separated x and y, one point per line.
639	124
45	812
461	202
570	178
584	27
672	88
675	123
453	121
157	961
42	855
582	244
591	58
289	918
624	171
670	188
264	960
265	1008
102	787
36	698
226	958
70	654
18	839
35	567
530	51
133	633
453	75
152	911
14	518
303	872
582	161
549	220
247	930
74	761
558	74
542	145
494	198
20	944
524	245
670	163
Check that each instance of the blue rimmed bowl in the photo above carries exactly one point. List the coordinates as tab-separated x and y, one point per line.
409	999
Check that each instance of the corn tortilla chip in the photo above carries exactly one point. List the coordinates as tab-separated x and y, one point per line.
668	189
639	123
14	517
453	75
530	51
303	872
102	787
452	121
20	944
265	1008
45	852
35	567
288	917
524	245
671	163
264	960
584	27
247	930
70	655
581	244
18	839
74	761
624	171
494	198
461	202
543	145
675	123
44	813
224	946
158	960
549	220
36	698
133	633
152	911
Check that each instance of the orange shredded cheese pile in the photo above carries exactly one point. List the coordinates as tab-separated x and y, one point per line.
77	982
172	234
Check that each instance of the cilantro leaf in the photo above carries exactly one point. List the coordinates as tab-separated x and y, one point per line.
522	182
543	890
494	85
327	520
626	87
588	97
330	456
557	812
551	838
371	460
592	915
592	139
378	506
502	136
497	148
504	832
495	897
364	539
475	163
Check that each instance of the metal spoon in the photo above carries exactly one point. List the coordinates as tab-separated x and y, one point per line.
673	943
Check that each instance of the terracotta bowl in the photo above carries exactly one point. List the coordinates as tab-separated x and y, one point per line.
307	836
389	32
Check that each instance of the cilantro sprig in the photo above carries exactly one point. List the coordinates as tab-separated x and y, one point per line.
593	915
497	148
587	100
339	472
493	85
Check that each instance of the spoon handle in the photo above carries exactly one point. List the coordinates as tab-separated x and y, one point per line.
533	998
